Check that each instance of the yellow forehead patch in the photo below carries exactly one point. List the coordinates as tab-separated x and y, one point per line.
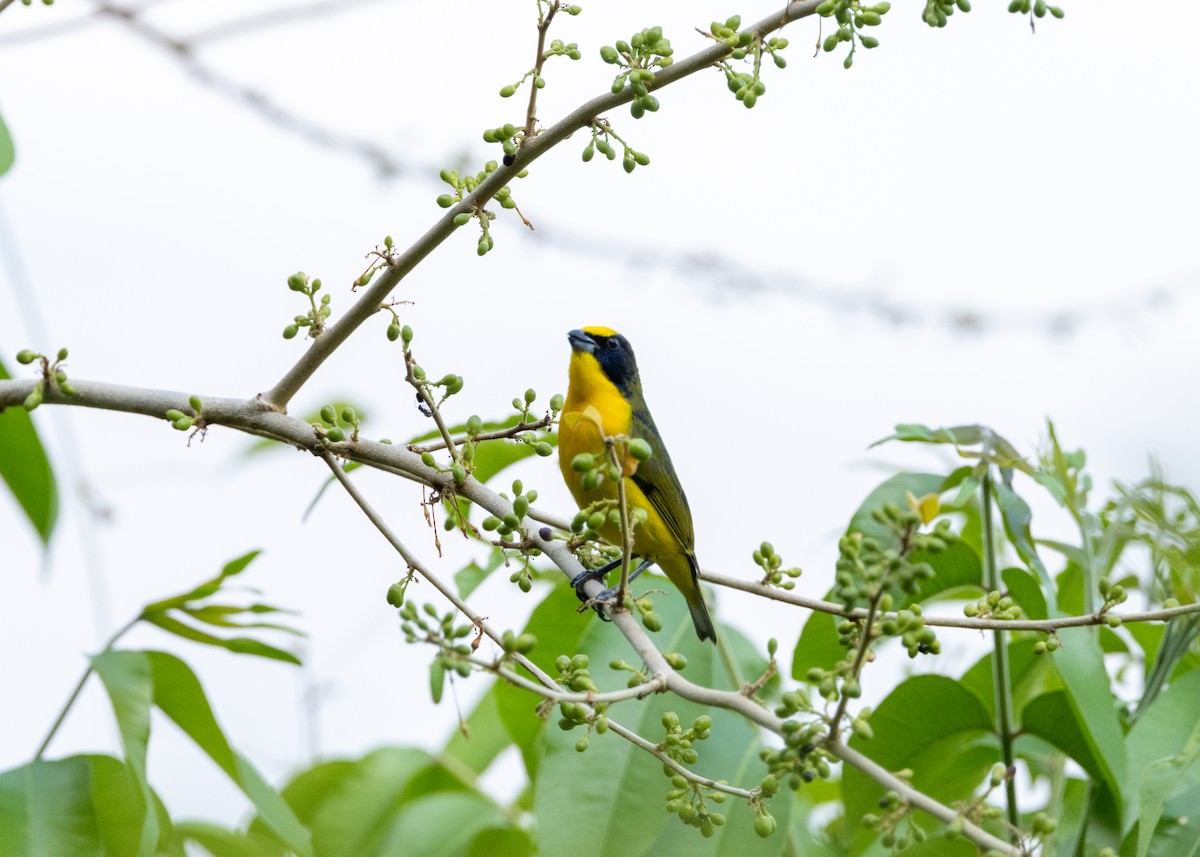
600	331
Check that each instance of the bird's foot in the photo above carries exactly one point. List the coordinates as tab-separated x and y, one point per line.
607	596
592	574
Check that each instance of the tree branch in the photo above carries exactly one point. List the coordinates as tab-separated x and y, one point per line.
551	687
976	623
368	303
255	417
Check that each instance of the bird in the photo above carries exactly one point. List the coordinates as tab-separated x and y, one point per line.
604	399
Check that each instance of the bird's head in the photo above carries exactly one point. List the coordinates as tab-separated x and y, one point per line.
610	350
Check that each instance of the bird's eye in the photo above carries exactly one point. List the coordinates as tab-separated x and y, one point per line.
612	343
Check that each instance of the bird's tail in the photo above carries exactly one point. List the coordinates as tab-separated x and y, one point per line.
699	610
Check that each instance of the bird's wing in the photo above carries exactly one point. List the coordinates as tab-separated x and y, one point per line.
657	480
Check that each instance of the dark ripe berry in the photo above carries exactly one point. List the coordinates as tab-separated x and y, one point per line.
509	160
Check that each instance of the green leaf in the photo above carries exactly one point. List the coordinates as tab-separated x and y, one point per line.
1074	819
1162	779
24	465
737	837
468	578
559	630
1030	676
8	152
818	646
209	587
80	806
134	680
995	448
352	806
237	645
808	841
956	568
1080	665
220	616
918	433
1165	736
1179	839
949	754
501	842
1024	589
1051	718
437	680
1017	518
440	825
620	788
219	842
486	736
892	490
129	680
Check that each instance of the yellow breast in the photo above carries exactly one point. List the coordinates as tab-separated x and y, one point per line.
593	410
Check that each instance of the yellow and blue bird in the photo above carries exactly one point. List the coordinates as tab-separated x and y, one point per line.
604	399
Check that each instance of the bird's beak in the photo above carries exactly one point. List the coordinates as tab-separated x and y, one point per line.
580	341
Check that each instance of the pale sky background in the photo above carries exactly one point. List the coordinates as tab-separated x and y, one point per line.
977	169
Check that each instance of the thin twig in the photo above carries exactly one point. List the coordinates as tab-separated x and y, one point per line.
1000	670
62	715
864	646
626	529
430	405
556	694
499	434
690	776
531	111
973	622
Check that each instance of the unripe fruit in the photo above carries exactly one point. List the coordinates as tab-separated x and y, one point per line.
640	449
764	825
